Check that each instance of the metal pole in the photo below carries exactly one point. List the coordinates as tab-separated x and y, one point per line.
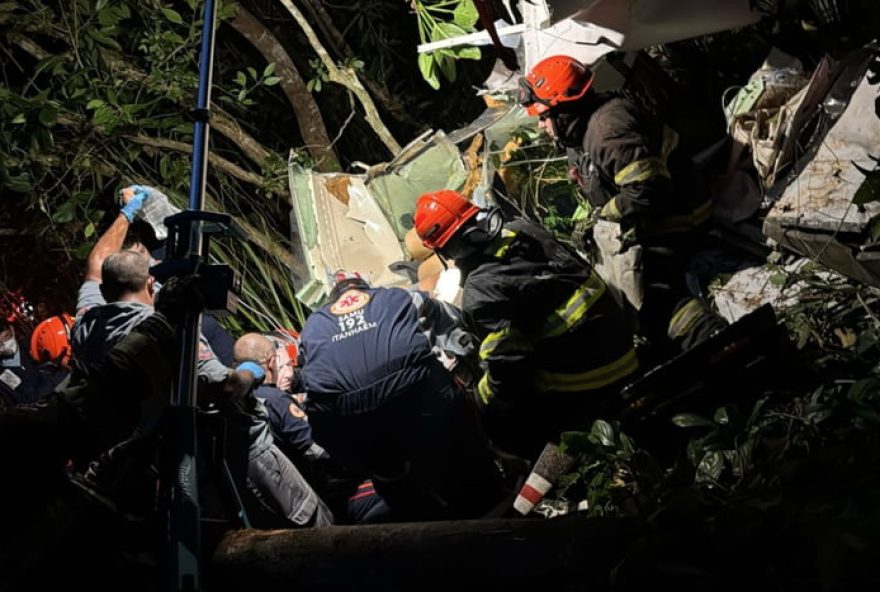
184	532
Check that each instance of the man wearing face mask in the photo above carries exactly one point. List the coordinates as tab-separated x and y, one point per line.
21	378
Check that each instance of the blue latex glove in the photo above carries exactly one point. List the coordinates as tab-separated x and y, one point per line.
141	193
253	368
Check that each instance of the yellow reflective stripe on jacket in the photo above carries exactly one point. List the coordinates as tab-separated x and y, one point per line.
684	318
575	308
610	211
646	168
597	378
500	245
484	390
504	341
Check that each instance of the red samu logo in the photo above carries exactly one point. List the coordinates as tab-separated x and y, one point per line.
350	301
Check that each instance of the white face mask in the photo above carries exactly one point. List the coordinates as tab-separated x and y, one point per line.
9	346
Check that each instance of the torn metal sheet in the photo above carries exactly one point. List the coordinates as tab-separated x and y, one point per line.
360	222
749	289
396	190
815	215
341	227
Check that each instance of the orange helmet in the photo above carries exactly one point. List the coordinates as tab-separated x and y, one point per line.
554	80
50	341
439	215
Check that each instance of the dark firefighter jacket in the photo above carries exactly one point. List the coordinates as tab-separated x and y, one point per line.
627	165
544	318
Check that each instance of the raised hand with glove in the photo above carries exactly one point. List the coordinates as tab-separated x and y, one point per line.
133	198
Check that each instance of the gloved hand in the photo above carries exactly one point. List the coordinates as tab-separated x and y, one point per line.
179	296
133	197
254	368
582	235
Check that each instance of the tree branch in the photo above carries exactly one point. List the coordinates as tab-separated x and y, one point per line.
347	78
308	116
217	162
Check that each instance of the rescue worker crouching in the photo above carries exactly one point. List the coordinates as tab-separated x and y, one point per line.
554	344
648	204
380	401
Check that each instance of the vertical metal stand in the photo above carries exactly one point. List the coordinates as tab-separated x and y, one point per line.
184	530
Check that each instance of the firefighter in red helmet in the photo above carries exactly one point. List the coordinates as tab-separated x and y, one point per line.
642	191
554	344
50	341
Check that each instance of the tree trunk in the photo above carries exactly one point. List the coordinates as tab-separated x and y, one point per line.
308	116
543	555
347	78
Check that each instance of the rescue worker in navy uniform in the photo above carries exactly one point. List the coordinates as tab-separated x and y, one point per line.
554	344
648	201
380	401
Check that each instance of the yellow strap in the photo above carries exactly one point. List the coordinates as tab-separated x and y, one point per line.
504	341
484	390
500	245
610	211
646	168
641	170
575	308
590	380
684	318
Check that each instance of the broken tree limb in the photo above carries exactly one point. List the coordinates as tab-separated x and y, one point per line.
218	162
308	116
482	554
347	78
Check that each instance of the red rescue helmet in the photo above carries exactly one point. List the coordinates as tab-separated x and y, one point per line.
440	214
50	341
554	80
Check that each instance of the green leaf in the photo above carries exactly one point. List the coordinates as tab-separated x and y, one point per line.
89	230
64	213
465	14
83	250
270	69
8	6
103	116
271	80
603	432
20	118
252	72
240	78
242	94
173	16
428	68
721	416
778	279
690	420
869	190
310	85
710	466
447	67
467	53
48	115
446	31
575	442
